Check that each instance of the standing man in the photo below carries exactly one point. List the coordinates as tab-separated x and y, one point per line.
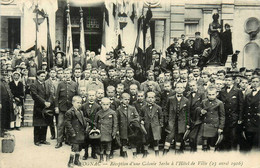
232	98
6	104
252	115
227	44
198	44
51	85
63	102
42	99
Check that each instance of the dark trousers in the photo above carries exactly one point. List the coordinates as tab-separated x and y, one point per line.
230	138
252	140
39	133
105	147
95	143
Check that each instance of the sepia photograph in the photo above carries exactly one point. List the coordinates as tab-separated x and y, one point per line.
130	83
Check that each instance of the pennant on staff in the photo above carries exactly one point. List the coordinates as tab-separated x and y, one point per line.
49	47
82	49
69	46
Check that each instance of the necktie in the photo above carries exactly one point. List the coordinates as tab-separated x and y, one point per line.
178	95
228	87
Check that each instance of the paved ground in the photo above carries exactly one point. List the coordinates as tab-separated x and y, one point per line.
27	155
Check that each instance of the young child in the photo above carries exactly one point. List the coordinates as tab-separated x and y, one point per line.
106	121
99	95
90	109
76	125
83	94
111	92
213	118
152	119
133	93
126	114
179	119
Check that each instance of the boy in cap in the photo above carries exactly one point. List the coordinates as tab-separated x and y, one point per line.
76	125
126	114
106	122
152	118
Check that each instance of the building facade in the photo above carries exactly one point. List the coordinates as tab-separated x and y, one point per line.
170	19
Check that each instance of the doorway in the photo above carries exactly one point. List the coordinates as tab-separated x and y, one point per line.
14	32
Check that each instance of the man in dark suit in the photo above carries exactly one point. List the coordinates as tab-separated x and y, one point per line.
63	102
152	118
126	114
130	80
232	98
111	80
195	98
42	99
52	84
178	121
6	104
252	116
76	125
212	115
198	44
90	109
16	87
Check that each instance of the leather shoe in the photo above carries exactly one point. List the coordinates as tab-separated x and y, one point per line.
52	137
58	145
37	144
45	143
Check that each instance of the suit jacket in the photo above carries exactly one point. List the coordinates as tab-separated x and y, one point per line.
90	111
7	111
214	119
251	112
138	105
75	124
52	85
125	115
65	92
127	84
144	86
183	115
17	92
40	95
111	82
164	99
194	103
115	103
233	104
106	122
153	119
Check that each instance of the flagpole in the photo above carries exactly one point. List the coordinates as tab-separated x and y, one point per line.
36	38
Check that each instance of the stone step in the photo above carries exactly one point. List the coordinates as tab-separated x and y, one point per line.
28	117
29	101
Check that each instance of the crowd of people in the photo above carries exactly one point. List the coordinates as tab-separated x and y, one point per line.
115	103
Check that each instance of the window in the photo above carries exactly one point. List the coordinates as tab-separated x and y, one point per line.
191	26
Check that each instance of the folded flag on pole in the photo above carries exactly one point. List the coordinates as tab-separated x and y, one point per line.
69	46
49	47
82	49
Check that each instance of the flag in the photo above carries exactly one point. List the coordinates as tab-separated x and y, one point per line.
82	49
139	44
69	46
148	39
119	47
103	45
106	15
49	47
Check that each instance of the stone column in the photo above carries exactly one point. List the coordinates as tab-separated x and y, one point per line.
207	19
177	18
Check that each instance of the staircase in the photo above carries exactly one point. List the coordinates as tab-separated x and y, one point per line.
28	111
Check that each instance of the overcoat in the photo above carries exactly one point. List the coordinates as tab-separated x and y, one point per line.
106	122
76	124
126	115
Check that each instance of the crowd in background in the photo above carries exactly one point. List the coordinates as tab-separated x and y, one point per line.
121	78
